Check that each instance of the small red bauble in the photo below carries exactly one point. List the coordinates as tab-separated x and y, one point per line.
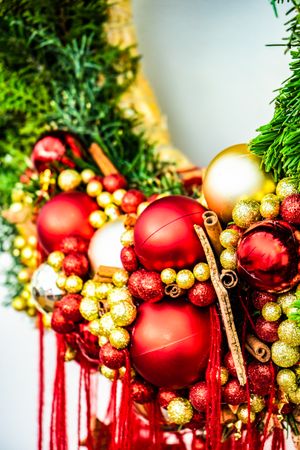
135	281
60	323
198	396
235	227
170	343
164	396
164	234
267	331
259	299
202	293
74	244
268	256
229	364
129	259
141	392
65	215
76	264
146	286
131	200
112	357
88	343
113	182
260	378
290	209
69	306
234	393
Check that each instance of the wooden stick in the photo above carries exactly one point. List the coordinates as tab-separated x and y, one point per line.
258	349
229	278
213	229
225	307
102	161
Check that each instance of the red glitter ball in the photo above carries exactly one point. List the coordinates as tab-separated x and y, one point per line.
74	244
164	396
129	259
260	378
259	299
69	306
131	200
146	286
113	182
229	364
267	331
198	396
111	357
141	391
234	393
202	293
88	343
290	209
76	264
60	323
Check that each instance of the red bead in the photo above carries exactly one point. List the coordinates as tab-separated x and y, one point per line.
69	306
259	299
76	264
146	286
267	331
268	256
290	209
65	215
164	396
74	244
170	343
131	200
129	259
260	378
60	323
111	357
164	235
234	393
198	396
113	182
229	364
141	391
202	293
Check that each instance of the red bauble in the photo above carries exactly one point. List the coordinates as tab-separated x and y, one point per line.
112	357
76	264
202	293
146	286
52	148
88	343
290	209
229	364
129	259
260	378
268	256
198	396
234	393
164	396
113	182
170	343
60	323
235	227
164	235
267	331
74	244
131	200
141	391
65	215
69	307
259	299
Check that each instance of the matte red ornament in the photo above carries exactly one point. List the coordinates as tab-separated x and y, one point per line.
60	323
141	391
131	200
260	378
164	396
113	182
229	364
129	259
112	357
164	235
170	343
267	331
74	244
290	209
198	396
65	215
268	256
234	393
76	264
88	344
202	293
69	307
146	286
259	299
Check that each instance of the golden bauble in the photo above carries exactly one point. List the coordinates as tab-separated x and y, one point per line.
234	174
201	271
294	396
89	308
87	175
286	379
102	290
289	332
270	206
117	295
107	372
127	238
55	260
24	276
117	196
26	253
119	338
106	324
229	238
271	311
228	259
257	403
246	212
19	304
286	301
122	372
94	188
168	276
97	219
94	327
120	277
141	208
123	313
19	242
185	279
104	199
68	180
102	340
73	284
61	281
112	211
180	411
32	311
243	414
285	187
284	355
89	288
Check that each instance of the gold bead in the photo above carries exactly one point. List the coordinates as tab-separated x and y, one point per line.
102	340
112	211
289	332
229	238
270	206
32	241
19	303
119	338
55	260
246	213
87	175
68	180
32	311
243	415
224	375
295	396
16	252
117	196
26	293
17	195
285	301
31	302
120	277
286	379
89	308
108	373
61	281
102	290
104	199
185	279
271	311
47	320
257	403
285	187
122	372
141	208
180	411
94	327
168	276
94	188
228	259
19	242
106	324
284	355
117	295
127	238
97	219
73	284
201	272
24	276
70	354
89	289
123	313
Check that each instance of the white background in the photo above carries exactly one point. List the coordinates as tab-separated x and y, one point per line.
214	78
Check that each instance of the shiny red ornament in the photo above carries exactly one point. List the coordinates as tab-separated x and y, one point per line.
141	391
198	396
164	396
129	259
88	344
131	200
290	209
267	331
65	215
234	393
60	323
170	343
76	264
268	258
164	235
202	293
74	244
229	364
259	299
69	307
260	378
146	286
113	182
52	148
112	357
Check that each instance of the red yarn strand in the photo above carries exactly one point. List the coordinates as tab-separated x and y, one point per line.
41	382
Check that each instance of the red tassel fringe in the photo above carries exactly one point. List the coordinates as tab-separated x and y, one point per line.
41	382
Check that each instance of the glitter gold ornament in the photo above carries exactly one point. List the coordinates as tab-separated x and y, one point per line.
19	242
94	188
243	415
106	324
117	196
26	293
168	276
102	340
120	277
123	313
284	355
289	332
142	206
271	311
185	279
201	271
19	303
228	258
246	213
180	411
117	295
112	211
270	206
285	187
24	276
286	300
104	199
257	403
61	281
229	238
89	288
119	338
224	375
70	354
55	260
73	284
122	372
127	238
32	311
26	253
97	218
107	372
294	396
102	290
286	379
89	308
87	175
94	327
68	180
32	241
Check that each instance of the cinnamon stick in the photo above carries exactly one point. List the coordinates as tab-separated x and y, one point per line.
258	349
213	229
173	290
225	307
104	273
102	161
229	278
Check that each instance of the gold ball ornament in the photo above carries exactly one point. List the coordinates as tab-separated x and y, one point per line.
127	238
61	281
286	379
123	313
32	311
294	396
89	308
108	373
89	288
284	355
73	284
26	292
286	301
224	375
87	175
24	276
257	403
102	340
271	311
26	253
19	303
246	212
141	208
102	290
185	279
289	332
180	411
228	258
119	338
117	295
32	241
243	414
285	187
112	211
168	276
270	206
117	196
94	188
201	271
122	372
68	180
55	260
19	242
120	277
97	219
94	327
229	238
234	174
104	199
106	324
